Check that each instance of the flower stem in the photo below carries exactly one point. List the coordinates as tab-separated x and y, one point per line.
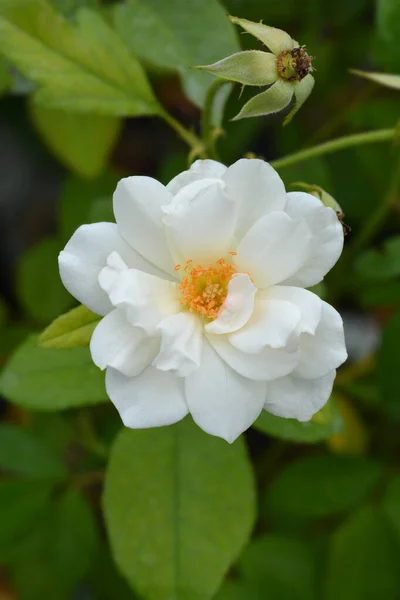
207	132
191	139
348	141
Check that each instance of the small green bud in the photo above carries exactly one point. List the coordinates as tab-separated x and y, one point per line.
286	69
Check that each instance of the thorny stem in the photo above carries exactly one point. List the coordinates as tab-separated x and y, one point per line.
348	141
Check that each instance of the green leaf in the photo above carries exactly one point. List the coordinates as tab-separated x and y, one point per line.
380	265
325	423
386	79
38	284
5	77
3	312
388	29
78	198
388	366
178	503
274	99
51	380
21	453
318	486
391	505
22	502
73	329
283	568
82	142
75	537
85	68
59	552
69	7
387	293
101	210
238	590
361	563
183	34
104	580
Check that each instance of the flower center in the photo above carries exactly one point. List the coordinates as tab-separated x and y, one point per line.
204	289
294	65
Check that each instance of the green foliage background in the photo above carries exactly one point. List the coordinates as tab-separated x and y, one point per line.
89	510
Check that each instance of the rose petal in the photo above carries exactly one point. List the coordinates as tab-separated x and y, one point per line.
296	398
200	222
222	402
257	189
200	169
326	242
271	324
152	399
115	343
137	209
181	344
146	298
86	254
309	304
325	350
268	364
275	248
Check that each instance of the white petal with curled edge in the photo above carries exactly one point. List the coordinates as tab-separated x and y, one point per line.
146	298
268	364
292	397
115	343
137	208
86	254
152	399
272	324
326	349
309	304
200	169
220	401
327	238
181	344
258	190
275	248
237	307
200	222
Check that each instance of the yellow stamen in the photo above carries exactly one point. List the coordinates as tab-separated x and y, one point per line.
204	289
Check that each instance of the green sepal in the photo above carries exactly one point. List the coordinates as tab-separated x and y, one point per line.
250	67
273	100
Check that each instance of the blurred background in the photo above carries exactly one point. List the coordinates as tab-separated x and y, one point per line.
329	494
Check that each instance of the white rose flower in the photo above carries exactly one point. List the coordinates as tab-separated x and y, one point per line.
201	285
